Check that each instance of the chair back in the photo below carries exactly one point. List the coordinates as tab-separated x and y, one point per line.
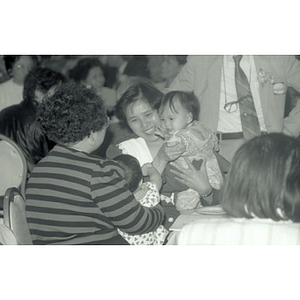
13	166
14	216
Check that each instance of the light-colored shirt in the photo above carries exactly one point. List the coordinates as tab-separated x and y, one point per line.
10	93
231	122
239	231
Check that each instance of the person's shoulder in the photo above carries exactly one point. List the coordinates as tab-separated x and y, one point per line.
6	84
11	111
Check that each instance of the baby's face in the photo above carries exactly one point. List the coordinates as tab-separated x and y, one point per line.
176	118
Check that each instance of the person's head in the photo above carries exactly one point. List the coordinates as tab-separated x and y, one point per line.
18	66
90	72
39	82
264	179
132	171
178	109
72	114
172	65
137	109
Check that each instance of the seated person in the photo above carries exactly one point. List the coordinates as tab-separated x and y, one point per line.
18	121
90	72
73	197
261	196
147	193
17	66
179	113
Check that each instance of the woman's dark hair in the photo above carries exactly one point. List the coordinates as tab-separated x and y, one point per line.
188	100
142	91
10	60
264	179
71	113
41	79
132	170
137	68
82	69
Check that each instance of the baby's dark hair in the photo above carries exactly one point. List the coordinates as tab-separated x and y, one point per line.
132	170
188	100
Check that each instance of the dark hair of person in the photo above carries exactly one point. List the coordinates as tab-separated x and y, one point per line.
132	170
181	59
10	60
137	68
71	113
264	179
41	79
143	91
81	71
188	100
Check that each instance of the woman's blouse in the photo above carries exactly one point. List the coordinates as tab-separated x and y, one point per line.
239	231
76	198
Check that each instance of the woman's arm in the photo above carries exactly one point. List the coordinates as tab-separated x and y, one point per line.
110	192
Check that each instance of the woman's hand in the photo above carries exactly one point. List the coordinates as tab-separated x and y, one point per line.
168	152
194	179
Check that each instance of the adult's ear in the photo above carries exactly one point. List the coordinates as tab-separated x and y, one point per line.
92	140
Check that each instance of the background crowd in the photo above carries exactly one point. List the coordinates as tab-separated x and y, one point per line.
91	109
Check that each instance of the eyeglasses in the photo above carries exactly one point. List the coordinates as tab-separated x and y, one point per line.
232	107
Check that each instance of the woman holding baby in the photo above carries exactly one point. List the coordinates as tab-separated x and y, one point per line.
137	109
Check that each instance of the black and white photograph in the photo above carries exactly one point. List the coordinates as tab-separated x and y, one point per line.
171	128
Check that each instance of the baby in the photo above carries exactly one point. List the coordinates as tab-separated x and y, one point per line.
147	193
179	112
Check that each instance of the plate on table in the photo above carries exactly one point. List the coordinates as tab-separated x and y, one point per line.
211	210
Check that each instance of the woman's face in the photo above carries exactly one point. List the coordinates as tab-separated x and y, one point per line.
95	78
142	120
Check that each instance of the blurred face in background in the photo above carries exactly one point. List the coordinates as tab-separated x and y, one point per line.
95	78
21	69
170	67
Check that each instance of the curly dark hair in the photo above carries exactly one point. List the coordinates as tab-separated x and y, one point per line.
71	113
41	79
141	91
82	69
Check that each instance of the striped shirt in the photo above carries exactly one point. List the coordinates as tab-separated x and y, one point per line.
77	198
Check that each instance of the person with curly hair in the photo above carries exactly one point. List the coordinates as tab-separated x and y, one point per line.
72	196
